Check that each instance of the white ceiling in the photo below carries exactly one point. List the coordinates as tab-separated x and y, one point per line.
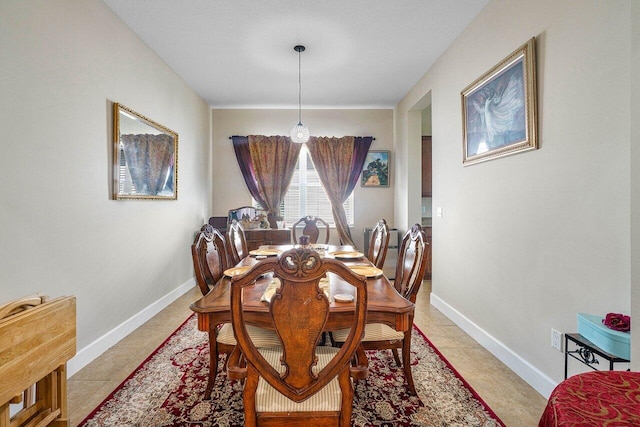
239	53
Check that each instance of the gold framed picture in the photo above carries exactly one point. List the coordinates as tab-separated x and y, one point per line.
145	158
499	109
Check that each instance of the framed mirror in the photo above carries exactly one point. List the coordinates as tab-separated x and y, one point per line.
145	160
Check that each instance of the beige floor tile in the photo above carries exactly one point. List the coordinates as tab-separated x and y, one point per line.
92	384
113	365
447	336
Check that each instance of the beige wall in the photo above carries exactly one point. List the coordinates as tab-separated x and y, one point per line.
426	121
63	64
635	184
229	189
529	240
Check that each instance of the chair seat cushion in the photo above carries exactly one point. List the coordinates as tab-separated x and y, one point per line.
260	337
269	399
372	332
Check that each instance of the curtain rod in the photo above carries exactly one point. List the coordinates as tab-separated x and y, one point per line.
373	139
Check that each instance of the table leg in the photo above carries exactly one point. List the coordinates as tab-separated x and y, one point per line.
213	362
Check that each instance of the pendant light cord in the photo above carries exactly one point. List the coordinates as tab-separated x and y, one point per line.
300	133
299	90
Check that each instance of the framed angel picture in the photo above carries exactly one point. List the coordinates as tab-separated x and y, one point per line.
499	109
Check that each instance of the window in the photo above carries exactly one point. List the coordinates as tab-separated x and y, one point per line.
125	184
306	196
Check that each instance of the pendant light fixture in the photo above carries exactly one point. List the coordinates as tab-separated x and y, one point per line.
300	133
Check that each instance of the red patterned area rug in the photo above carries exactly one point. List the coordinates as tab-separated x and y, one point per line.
168	389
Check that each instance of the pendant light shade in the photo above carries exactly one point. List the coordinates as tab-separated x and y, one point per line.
300	133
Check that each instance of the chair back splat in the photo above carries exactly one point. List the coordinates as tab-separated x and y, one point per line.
310	229
298	382
236	242
412	262
209	256
379	244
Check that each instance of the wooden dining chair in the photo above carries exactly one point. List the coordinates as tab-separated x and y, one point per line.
410	269
311	229
210	261
209	256
298	383
237	242
379	244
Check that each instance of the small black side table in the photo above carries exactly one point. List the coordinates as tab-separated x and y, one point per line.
585	353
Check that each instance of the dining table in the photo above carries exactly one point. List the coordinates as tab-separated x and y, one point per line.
384	303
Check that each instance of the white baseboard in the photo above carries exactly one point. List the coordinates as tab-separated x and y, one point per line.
542	383
92	351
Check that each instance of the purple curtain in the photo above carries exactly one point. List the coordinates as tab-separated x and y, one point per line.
339	162
243	155
360	151
267	164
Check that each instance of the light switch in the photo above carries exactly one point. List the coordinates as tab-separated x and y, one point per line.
439	211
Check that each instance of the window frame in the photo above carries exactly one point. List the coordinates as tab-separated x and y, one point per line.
304	170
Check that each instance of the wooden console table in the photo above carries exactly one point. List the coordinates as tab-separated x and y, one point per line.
260	236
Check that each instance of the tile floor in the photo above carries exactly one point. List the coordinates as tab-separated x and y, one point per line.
511	398
515	402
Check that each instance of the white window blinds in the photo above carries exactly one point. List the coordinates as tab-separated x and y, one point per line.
306	196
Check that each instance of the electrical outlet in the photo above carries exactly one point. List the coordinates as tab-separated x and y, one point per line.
556	339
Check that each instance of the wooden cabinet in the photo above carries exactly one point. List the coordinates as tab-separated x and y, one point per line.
258	237
426	166
427	232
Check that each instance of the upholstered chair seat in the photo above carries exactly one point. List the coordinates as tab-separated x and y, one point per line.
372	332
269	399
260	337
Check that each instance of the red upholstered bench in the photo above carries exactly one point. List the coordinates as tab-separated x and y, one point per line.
598	398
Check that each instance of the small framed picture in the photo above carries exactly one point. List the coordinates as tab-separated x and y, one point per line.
375	172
